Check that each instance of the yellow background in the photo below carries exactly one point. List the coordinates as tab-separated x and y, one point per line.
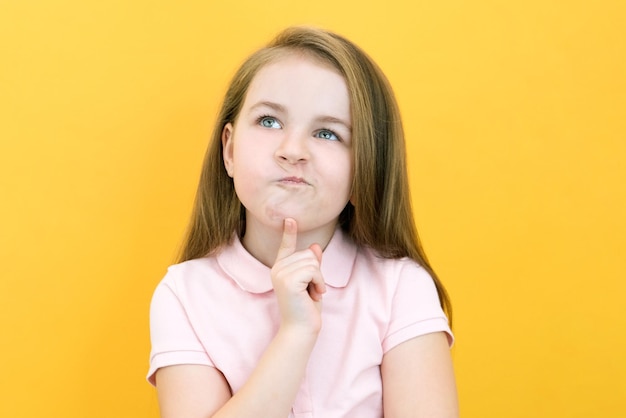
515	113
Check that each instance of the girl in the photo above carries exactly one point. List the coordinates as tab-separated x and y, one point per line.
302	289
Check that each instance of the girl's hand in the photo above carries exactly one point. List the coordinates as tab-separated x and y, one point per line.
298	282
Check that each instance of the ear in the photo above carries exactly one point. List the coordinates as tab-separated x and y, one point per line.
352	200
227	148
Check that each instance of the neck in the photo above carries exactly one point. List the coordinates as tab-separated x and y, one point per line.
262	241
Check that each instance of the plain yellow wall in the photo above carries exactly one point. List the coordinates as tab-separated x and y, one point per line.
515	113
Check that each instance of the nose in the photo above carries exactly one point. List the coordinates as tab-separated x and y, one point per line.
292	148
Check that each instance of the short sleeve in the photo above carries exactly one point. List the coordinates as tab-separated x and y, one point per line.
415	308
172	336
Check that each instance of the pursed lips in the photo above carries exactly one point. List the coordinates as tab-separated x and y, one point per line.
294	181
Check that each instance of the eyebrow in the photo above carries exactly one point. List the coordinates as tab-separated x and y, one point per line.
280	108
271	105
331	119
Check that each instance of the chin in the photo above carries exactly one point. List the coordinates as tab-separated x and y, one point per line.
278	215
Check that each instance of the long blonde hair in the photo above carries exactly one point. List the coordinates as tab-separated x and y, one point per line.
380	215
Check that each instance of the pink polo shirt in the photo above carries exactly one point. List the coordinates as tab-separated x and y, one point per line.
221	312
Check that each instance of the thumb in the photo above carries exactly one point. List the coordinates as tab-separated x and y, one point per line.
317	287
317	250
290	237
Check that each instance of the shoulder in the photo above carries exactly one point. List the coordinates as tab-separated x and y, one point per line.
192	277
404	277
392	271
406	293
195	268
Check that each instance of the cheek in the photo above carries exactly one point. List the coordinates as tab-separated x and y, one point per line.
243	190
342	182
345	172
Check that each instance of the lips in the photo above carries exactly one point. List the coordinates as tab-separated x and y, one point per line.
293	180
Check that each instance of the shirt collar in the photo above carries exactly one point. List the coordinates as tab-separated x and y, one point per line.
254	277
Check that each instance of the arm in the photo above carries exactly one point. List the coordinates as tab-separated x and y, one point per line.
418	379
192	391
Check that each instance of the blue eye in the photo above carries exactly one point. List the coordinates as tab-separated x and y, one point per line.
269	122
326	134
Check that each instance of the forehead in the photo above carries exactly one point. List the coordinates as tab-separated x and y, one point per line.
300	78
283	57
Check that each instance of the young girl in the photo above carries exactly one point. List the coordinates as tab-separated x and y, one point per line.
302	289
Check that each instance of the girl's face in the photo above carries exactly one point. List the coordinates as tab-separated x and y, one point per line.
289	151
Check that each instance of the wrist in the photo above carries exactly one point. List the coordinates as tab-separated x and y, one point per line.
297	335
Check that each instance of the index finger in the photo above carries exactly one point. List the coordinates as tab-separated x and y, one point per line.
290	237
